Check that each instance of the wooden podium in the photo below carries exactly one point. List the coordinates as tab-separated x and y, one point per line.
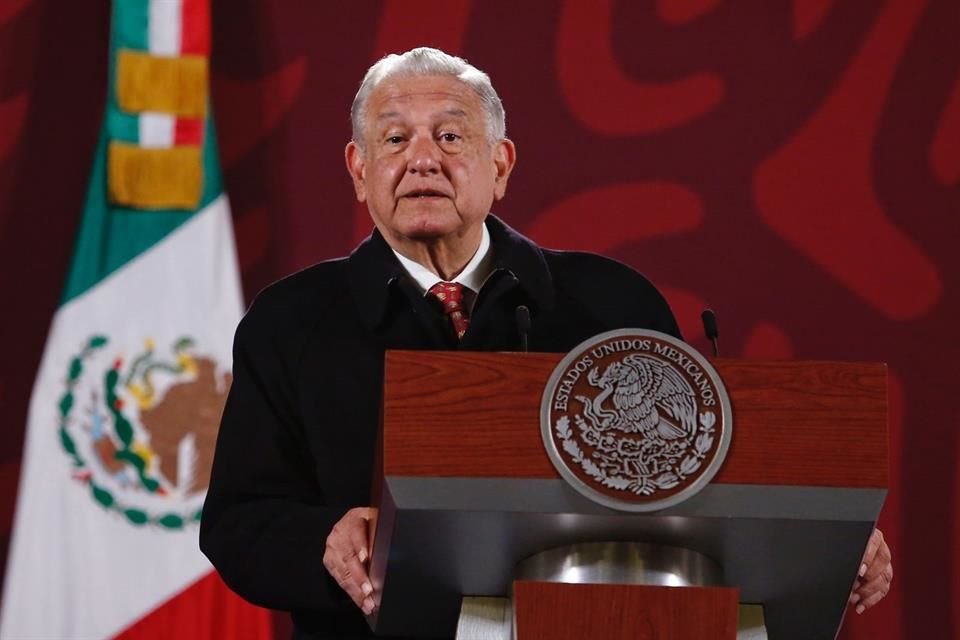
467	492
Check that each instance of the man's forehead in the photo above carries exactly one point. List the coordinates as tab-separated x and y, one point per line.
392	114
445	95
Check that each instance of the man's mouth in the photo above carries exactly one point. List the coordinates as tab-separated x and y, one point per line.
425	193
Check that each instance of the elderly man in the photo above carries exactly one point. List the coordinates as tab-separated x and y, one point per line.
288	515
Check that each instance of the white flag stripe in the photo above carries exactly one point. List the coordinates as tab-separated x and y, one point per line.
163	29
157	130
77	570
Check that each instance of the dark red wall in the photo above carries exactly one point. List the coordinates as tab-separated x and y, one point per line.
794	165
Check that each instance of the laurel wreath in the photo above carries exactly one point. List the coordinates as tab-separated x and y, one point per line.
640	486
169	520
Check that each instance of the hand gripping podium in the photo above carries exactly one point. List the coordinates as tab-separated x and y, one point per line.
470	505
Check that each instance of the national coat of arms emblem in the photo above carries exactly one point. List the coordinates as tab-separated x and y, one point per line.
140	432
636	420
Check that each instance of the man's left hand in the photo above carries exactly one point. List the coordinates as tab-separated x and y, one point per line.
875	575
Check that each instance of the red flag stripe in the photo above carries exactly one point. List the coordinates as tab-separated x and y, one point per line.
205	609
195	27
188	131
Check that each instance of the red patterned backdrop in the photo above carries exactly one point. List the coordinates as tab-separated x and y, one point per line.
793	164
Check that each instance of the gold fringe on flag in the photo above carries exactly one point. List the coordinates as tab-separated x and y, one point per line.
175	85
154	178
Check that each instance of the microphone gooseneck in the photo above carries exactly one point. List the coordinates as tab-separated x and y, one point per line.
710	329
523	326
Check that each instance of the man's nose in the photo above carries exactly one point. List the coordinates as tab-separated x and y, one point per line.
424	156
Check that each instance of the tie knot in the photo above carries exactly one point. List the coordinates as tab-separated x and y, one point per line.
450	295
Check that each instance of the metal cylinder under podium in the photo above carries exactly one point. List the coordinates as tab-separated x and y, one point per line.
621	563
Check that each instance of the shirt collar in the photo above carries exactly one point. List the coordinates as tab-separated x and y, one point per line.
373	270
473	275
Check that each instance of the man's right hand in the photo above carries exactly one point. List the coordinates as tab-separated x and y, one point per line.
347	553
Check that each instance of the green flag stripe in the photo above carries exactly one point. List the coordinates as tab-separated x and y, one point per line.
131	20
123	126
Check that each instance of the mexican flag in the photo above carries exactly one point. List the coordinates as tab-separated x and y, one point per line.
127	401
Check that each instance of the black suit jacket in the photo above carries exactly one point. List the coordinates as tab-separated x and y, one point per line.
295	449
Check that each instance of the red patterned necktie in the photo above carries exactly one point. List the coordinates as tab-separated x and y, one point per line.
450	295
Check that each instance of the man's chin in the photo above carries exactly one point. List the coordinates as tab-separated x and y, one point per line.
430	225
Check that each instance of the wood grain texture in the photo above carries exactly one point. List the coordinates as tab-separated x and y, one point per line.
457	414
623	612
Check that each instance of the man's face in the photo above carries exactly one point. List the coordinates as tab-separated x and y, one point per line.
428	170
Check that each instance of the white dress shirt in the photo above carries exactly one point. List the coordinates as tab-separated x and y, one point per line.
472	277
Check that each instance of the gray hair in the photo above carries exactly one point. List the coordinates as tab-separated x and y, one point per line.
425	61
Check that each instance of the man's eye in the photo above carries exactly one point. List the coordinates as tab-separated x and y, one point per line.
394	139
449	137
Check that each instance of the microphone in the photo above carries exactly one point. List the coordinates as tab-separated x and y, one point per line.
710	329
523	326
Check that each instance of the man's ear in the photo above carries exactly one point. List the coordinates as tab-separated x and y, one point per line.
357	167
504	157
